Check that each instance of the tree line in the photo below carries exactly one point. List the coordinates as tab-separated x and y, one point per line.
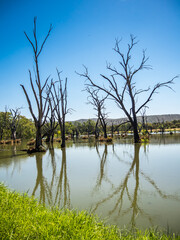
50	95
20	127
15	126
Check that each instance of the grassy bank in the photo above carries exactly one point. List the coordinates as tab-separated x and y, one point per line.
22	217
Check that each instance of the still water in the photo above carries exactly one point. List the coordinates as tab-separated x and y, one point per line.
125	183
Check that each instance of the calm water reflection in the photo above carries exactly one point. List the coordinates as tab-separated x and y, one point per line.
128	184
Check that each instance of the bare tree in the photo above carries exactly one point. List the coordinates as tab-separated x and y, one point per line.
99	107
127	93
14	121
59	97
144	118
38	88
51	125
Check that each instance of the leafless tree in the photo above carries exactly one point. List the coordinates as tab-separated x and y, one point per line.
59	96
99	107
14	121
144	118
38	88
122	86
51	124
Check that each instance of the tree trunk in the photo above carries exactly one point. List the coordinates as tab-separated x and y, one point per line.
96	130
63	144
38	138
103	124
52	137
105	133
48	138
136	134
13	134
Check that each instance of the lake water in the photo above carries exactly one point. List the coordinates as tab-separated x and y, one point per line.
125	183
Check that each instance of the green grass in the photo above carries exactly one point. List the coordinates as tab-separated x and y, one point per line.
21	217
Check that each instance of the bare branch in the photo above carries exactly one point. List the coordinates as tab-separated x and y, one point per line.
32	86
29	103
157	86
30	41
141	91
45	83
50	29
35	37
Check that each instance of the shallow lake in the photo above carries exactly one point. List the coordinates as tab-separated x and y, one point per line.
125	183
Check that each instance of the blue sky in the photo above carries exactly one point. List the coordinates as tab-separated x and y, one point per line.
84	32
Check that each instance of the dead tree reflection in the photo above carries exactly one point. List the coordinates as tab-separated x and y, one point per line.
40	179
103	160
119	193
56	191
62	197
53	164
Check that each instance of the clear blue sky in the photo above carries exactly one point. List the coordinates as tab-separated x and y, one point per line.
84	32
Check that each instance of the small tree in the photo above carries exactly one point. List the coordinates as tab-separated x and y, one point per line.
59	97
99	107
51	124
38	89
122	86
14	122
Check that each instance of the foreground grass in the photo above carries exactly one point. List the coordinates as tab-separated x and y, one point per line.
21	217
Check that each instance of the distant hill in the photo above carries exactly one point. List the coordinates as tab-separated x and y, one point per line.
150	119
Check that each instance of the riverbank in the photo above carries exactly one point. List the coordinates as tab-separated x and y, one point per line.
21	217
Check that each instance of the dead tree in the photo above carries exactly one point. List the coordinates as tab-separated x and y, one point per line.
97	129
143	125
144	118
51	125
14	121
122	86
99	107
38	89
59	96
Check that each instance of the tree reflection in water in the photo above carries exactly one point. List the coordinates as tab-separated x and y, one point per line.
40	180
119	193
55	192
102	176
63	189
